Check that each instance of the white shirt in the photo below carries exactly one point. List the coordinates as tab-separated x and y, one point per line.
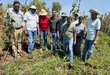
76	22
31	21
93	25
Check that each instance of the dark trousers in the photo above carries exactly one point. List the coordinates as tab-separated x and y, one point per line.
77	47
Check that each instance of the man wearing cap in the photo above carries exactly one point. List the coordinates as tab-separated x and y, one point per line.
93	29
53	30
31	25
15	17
60	23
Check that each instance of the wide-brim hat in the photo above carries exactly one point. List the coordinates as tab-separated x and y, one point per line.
94	11
63	14
33	7
43	12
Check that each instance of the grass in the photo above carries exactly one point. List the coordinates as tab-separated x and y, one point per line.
45	63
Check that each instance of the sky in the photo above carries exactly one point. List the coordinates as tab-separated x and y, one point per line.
102	6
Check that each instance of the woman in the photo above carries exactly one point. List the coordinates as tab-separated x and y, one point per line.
43	26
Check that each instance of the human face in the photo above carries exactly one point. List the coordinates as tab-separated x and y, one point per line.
16	7
93	16
69	21
33	11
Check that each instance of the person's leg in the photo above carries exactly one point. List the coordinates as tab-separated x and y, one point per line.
65	43
41	38
45	39
14	47
85	50
51	40
30	40
78	47
91	49
71	50
34	38
19	40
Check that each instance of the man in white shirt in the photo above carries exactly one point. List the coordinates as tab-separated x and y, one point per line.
93	29
31	24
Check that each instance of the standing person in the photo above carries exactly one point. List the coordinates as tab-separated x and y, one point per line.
69	34
81	33
15	17
31	24
44	27
53	30
93	29
60	23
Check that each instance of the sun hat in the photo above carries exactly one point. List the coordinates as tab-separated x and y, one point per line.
43	12
94	11
33	7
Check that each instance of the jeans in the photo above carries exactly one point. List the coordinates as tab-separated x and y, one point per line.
31	39
88	49
77	47
53	40
43	36
68	43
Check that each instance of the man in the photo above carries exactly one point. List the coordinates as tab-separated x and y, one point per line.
31	24
69	34
80	32
93	29
15	17
53	30
60	23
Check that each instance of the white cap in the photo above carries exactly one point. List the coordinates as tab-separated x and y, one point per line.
33	7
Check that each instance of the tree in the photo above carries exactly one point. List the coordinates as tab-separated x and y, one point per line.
56	6
40	5
75	7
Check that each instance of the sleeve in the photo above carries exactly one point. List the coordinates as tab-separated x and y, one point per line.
7	15
25	17
98	26
37	19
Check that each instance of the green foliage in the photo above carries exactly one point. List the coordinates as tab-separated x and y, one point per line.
105	23
45	63
40	5
56	6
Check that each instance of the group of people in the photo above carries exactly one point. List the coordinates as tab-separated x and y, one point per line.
65	33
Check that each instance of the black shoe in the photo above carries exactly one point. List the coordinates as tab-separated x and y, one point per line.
70	66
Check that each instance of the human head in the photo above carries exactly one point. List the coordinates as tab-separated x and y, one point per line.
94	13
63	15
81	19
33	9
69	20
16	6
76	16
54	13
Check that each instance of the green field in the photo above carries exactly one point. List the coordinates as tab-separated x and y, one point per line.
45	63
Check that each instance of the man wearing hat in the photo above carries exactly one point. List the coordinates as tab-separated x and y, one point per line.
31	26
93	29
15	17
60	23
